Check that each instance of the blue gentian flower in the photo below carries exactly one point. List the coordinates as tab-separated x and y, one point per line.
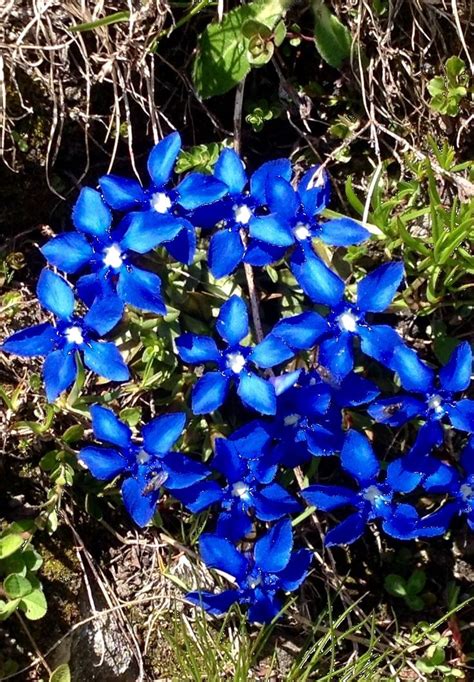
270	569
158	214
70	334
145	465
240	211
434	401
108	254
347	321
373	499
236	362
248	465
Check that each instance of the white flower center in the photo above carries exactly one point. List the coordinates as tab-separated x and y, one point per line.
347	322
240	489
235	362
434	403
371	494
301	231
291	419
74	335
143	457
160	202
113	256
466	491
253	582
242	214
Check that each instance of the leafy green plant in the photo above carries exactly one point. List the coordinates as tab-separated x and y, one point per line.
333	40
448	91
434	660
260	112
200	158
409	590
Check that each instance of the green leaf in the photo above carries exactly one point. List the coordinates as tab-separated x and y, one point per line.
333	39
61	674
454	67
416	582
415	603
73	433
13	564
104	21
34	604
7	608
9	544
395	585
16	586
131	415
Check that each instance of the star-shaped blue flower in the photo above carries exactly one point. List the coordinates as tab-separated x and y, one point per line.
146	465
249	466
108	254
427	398
158	213
236	363
70	334
260	576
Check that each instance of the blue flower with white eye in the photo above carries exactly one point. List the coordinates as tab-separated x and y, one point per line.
248	465
239	212
373	499
426	398
70	334
236	363
260	576
146	465
158	214
347	321
108	254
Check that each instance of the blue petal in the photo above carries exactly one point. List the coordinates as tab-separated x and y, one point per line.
296	570
260	178
226	251
209	392
402	475
103	463
358	458
147	229
342	232
108	427
329	497
234	525
104	359
396	411
461	415
283	201
182	471
315	190
347	531
200	496
300	331
217	552
257	393
233	321
285	381
59	372
194	349
265	607
252	438
467	457
89	286
90	214
122	194
104	314
227	460
40	339
318	282
270	352
355	390
183	246
271	229
414	374
337	356
197	189
142	289
272	552
402	522
55	294
379	342
215	604
273	502
456	374
162	158
230	170
377	290
161	433
259	253
69	252
442	479
139	505
437	523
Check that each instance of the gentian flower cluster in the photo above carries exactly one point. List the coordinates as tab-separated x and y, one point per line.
304	383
